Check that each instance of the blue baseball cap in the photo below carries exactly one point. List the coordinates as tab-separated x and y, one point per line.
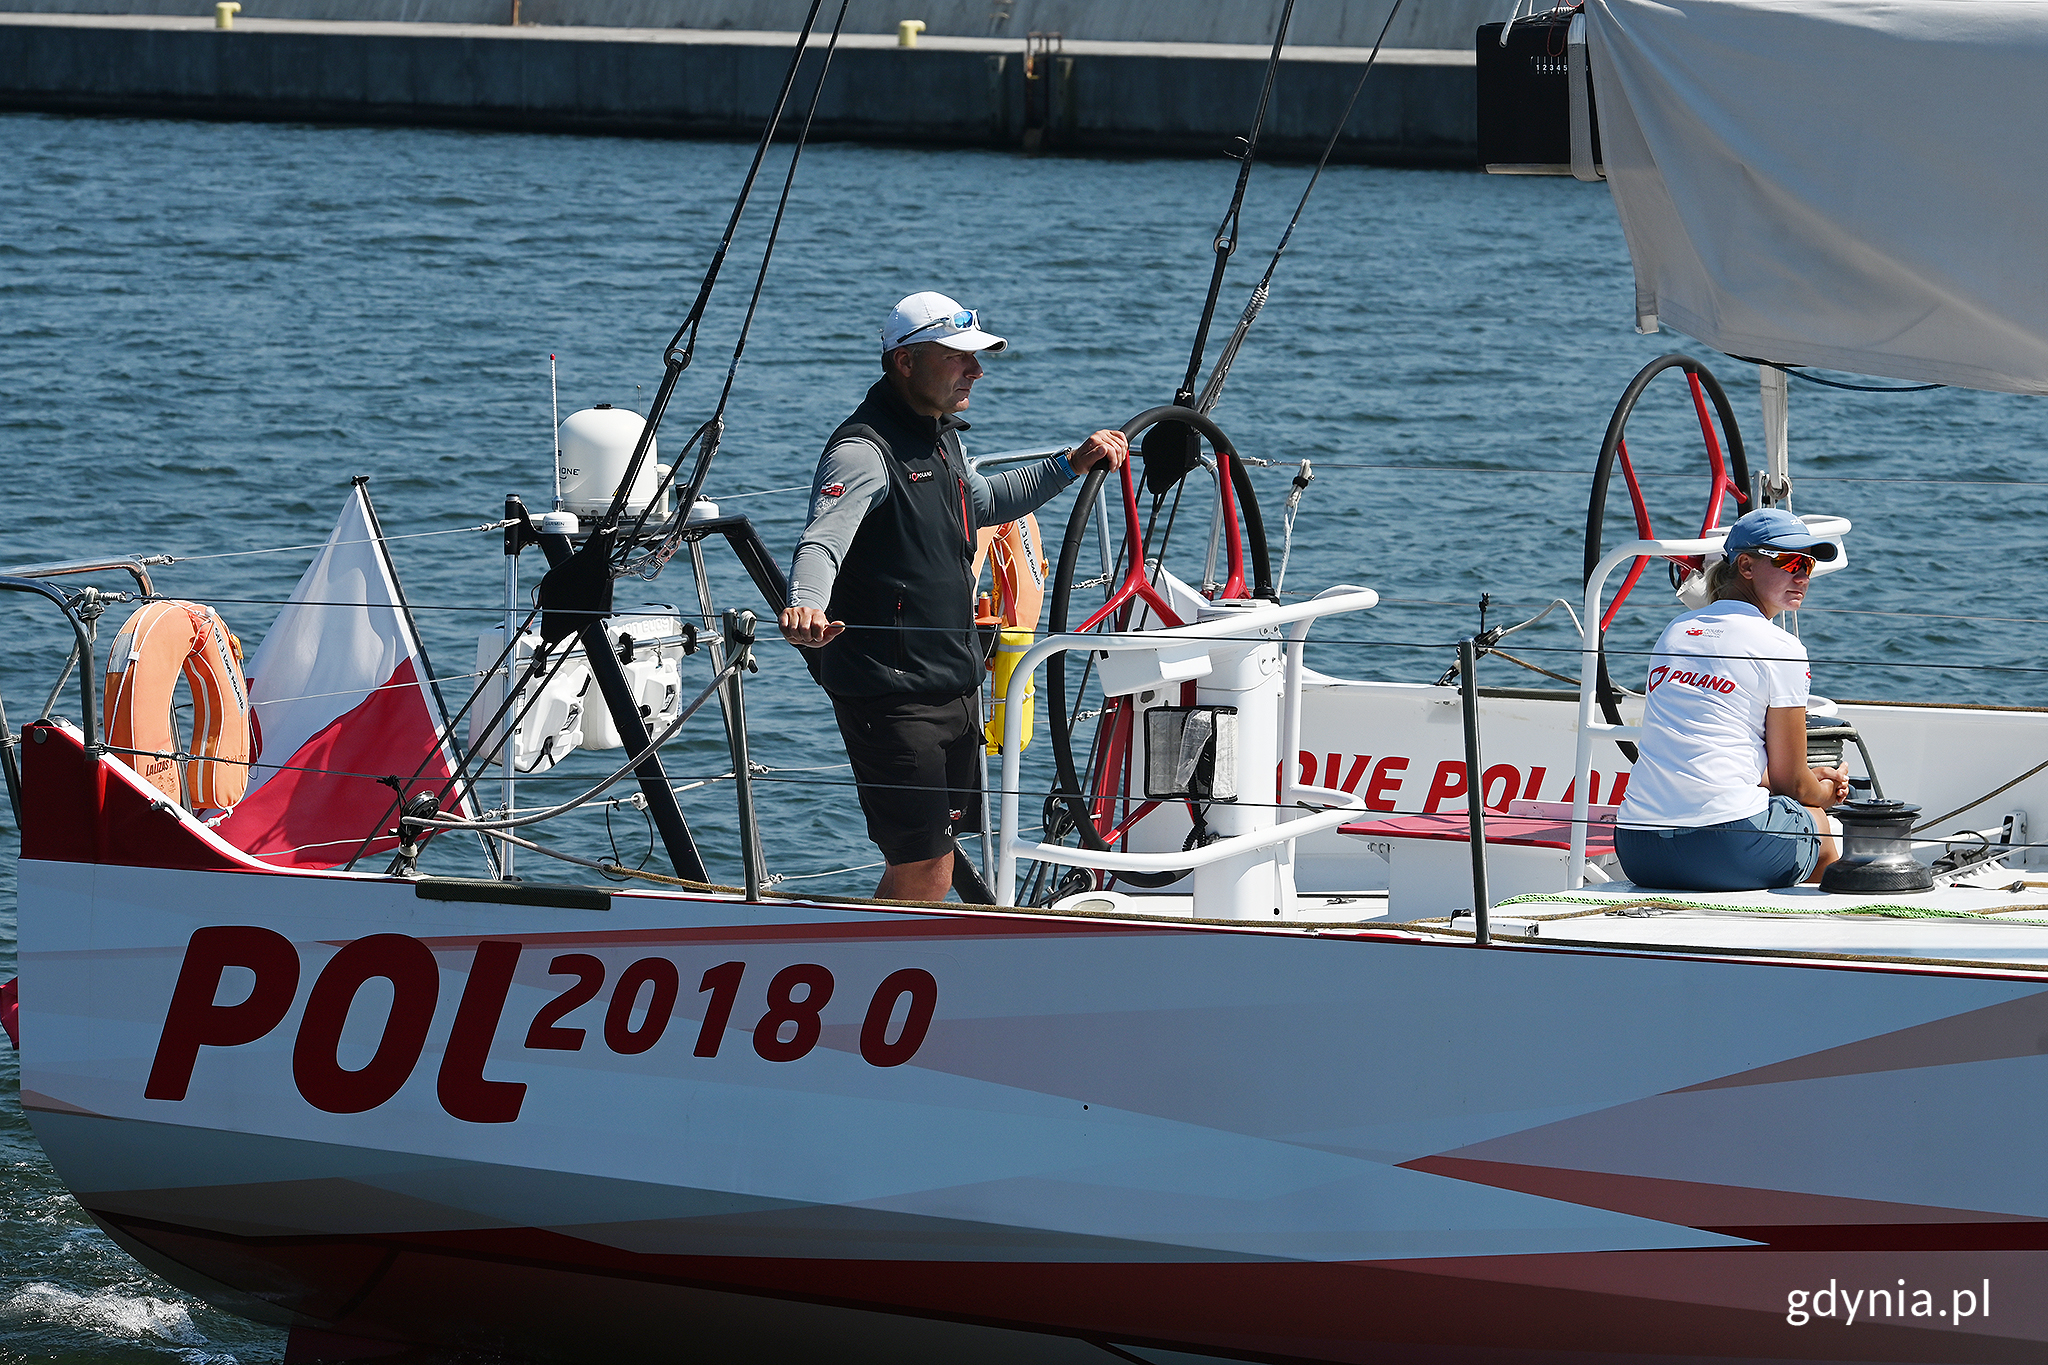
1773	528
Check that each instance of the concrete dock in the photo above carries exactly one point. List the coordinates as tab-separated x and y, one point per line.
1081	96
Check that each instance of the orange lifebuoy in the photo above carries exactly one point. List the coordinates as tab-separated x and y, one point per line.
1019	559
1011	611
159	641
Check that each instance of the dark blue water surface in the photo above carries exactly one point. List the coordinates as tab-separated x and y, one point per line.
208	328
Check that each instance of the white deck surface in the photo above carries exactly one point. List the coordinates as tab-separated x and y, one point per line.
1977	927
1979	924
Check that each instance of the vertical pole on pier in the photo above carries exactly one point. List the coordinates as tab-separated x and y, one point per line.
1475	787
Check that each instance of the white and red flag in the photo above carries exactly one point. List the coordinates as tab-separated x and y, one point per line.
346	713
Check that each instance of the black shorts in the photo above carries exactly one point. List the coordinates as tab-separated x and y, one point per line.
918	761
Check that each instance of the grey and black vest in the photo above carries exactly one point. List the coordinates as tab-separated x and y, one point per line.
906	586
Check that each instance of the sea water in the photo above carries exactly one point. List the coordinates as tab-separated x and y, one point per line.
206	329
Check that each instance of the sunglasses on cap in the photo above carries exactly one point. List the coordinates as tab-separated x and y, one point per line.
1791	561
966	319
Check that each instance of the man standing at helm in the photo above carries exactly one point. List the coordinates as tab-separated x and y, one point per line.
882	586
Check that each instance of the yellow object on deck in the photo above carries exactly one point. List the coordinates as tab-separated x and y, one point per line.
907	31
224	13
1010	647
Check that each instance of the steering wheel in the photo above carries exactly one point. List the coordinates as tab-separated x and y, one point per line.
1726	476
1086	801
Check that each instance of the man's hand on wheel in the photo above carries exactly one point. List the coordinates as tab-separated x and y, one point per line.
809	627
1103	445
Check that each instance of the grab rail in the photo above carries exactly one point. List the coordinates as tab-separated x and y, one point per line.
128	564
1589	665
1331	602
10	770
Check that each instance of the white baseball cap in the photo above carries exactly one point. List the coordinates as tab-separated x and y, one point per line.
934	317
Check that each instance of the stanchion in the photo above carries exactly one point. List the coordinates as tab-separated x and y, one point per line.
1475	787
739	643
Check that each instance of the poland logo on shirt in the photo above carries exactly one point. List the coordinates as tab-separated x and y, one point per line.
1663	673
831	490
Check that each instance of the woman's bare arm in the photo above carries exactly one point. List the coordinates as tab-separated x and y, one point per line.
1787	773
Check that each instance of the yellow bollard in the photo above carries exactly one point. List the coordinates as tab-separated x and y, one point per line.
224	13
907	31
1010	648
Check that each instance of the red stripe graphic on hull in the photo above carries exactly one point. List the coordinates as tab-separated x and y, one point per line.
1787	1219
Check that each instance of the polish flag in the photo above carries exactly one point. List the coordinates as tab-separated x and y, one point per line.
341	696
10	1012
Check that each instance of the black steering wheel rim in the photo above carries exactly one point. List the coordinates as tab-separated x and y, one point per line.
1605	691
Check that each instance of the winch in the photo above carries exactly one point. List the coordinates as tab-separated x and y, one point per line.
1877	850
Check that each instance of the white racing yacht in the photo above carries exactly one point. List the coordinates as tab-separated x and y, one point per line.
1304	1019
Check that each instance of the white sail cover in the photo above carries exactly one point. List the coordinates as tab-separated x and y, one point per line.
1855	184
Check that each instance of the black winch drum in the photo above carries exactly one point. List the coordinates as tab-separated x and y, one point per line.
1877	851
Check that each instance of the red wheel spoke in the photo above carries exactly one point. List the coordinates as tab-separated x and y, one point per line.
1234	589
1135	583
1722	485
1643	532
1716	462
1110	775
1635	494
1117	834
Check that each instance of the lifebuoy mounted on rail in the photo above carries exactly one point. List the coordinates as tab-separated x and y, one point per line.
160	641
1010	612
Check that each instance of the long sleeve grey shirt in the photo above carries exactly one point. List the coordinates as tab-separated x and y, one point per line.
852	481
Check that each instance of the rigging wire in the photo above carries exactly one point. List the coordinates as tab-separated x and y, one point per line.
1228	231
718	680
682	347
1213	390
1302	479
446	735
707	452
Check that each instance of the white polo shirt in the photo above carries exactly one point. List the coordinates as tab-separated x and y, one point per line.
1714	673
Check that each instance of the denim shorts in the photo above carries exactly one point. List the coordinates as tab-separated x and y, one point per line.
1776	847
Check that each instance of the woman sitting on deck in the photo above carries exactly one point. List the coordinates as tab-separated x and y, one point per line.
1721	798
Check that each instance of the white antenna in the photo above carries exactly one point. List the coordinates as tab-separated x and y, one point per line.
555	398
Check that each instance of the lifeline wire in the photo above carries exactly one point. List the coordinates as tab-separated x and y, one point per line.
495	828
760	493
282	549
1256	463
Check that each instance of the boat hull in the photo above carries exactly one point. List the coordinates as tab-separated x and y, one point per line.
387	1111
